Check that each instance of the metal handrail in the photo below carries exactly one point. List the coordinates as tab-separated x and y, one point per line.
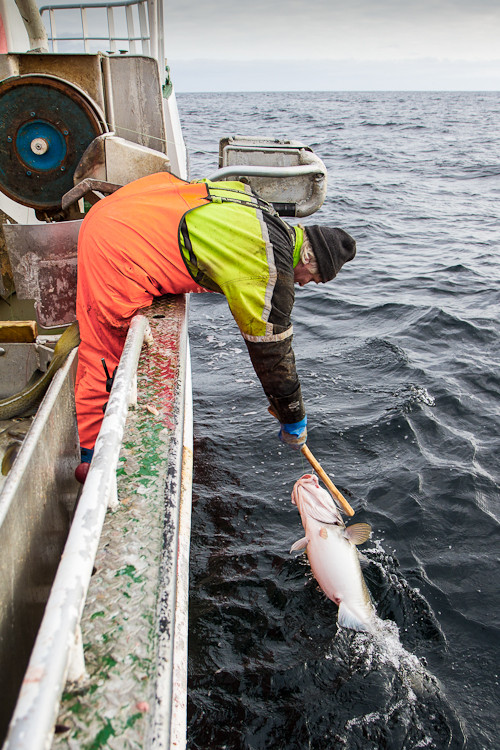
242	170
58	650
147	13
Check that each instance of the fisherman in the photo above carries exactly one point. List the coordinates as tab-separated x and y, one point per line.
160	235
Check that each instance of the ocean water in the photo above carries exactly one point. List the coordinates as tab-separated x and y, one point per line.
399	363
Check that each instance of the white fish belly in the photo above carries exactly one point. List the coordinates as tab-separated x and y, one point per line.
335	565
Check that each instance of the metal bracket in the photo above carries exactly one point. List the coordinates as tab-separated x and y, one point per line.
84	188
286	173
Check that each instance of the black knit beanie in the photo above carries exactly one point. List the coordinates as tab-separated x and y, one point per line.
332	248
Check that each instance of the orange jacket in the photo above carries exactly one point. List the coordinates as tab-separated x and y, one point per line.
128	253
128	249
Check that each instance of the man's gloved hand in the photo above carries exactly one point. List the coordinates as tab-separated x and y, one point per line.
295	434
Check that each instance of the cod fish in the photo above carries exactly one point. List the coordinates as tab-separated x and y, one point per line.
333	555
19	403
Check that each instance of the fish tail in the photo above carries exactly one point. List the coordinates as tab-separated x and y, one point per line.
349	619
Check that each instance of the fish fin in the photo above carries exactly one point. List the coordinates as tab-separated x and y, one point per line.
299	544
358	533
323	533
346	619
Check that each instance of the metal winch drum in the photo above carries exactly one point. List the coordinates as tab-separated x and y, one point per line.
46	125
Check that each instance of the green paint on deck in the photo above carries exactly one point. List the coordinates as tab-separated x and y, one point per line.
129	570
132	719
114	622
102	738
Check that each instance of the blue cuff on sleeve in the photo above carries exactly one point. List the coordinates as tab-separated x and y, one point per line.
295	428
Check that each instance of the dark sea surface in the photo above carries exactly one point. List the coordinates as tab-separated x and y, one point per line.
399	362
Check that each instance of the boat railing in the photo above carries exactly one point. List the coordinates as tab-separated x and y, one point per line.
133	27
58	651
225	173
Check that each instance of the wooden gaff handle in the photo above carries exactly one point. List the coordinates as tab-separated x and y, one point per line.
326	479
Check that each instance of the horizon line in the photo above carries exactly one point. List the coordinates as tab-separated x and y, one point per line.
337	91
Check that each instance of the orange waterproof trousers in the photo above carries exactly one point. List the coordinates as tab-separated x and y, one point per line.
128	253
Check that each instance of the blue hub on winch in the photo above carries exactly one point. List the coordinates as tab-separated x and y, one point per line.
46	124
41	145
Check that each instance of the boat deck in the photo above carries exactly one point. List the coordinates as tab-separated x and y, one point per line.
131	691
128	623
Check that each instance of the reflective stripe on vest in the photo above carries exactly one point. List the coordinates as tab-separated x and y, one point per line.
230	249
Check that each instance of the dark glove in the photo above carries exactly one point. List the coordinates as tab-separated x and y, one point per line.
294	434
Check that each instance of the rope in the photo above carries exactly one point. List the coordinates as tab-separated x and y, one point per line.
166	141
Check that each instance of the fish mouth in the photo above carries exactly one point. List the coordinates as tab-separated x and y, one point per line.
299	483
306	495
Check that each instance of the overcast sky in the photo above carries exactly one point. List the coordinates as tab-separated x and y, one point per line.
331	44
234	45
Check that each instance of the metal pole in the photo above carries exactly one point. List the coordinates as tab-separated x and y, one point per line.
244	171
34	25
